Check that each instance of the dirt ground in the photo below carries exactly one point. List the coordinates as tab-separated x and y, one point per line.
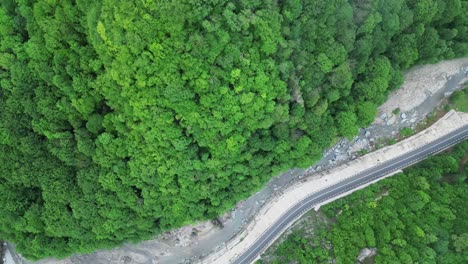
423	90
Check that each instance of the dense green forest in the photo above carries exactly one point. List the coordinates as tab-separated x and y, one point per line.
418	216
121	119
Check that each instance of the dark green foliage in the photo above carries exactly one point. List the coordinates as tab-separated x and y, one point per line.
416	216
459	100
346	123
124	118
298	249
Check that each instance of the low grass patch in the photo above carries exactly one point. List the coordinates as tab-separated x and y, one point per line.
459	100
406	132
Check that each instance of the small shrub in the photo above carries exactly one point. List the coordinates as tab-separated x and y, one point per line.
406	132
363	152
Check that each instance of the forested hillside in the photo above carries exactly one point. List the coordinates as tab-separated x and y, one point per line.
418	216
120	119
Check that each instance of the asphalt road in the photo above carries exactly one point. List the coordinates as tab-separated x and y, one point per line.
271	234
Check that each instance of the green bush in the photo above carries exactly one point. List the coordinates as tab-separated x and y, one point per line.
406	132
459	100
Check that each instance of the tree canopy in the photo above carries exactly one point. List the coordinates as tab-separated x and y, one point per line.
121	119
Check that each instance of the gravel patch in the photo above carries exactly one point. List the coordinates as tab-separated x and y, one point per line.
427	83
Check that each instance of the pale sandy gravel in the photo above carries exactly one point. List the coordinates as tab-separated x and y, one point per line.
420	83
276	207
8	257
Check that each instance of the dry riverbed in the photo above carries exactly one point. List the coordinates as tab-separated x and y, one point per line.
424	89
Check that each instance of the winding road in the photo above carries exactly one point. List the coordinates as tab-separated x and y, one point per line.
362	178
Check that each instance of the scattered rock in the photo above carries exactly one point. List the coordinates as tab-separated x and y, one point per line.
391	120
125	259
217	222
367	134
371	139
412	120
194	232
383	116
403	116
447	94
366	253
360	144
340	157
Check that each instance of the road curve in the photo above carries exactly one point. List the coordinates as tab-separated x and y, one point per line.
365	177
